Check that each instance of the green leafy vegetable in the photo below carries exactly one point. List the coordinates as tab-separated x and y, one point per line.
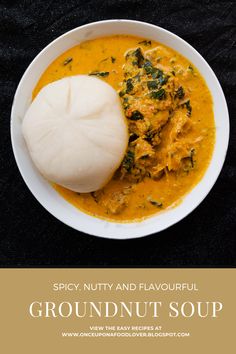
148	67
67	61
189	108
180	92
99	73
154	202
192	152
145	42
128	161
105	59
156	73
133	137
126	104
129	86
122	93
137	77
190	68
136	115
113	60
162	78
160	94
152	85
139	56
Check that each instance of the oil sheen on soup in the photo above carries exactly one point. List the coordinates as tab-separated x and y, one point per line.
170	119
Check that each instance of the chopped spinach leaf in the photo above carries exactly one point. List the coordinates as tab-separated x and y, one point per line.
148	67
190	68
99	73
126	104
156	73
188	106
105	59
180	92
139	56
152	85
154	202
67	61
160	94
192	152
145	42
113	59
128	161
137	77
162	77
133	137
122	93
129	86
136	115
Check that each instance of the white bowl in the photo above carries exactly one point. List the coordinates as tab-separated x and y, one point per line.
43	191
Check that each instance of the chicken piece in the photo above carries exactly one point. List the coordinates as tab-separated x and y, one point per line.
180	124
142	149
159	119
115	202
176	153
139	127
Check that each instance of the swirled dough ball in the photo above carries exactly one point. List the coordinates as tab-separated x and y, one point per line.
76	132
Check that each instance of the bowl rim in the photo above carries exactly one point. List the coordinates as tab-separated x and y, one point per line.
122	231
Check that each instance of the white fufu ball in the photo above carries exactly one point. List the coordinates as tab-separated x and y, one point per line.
76	132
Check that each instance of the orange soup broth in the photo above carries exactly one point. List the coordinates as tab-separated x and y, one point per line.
107	54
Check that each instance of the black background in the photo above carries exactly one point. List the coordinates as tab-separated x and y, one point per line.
29	235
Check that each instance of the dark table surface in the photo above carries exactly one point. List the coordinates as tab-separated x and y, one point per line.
29	235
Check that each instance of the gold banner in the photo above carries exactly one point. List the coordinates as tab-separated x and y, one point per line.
117	310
